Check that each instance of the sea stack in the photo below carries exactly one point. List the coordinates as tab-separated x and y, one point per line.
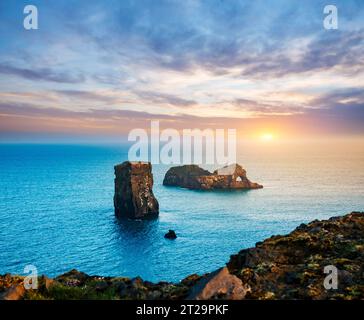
194	177
134	196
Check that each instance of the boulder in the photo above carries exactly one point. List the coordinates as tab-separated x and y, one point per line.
194	177
219	284
170	235
47	282
134	196
73	278
15	292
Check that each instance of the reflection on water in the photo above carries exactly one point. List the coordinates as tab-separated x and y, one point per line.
136	231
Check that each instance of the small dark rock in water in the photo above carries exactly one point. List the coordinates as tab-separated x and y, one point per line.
170	235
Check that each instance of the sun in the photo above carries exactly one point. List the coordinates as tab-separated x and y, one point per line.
267	137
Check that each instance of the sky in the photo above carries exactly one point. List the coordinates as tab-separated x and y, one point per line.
98	69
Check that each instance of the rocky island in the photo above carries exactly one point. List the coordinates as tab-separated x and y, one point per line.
194	177
281	267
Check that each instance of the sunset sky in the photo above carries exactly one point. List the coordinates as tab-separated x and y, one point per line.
97	69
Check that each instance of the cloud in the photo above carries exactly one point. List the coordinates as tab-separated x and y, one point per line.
162	98
31	110
43	74
87	96
354	96
339	118
342	50
266	108
346	105
129	97
193	63
219	36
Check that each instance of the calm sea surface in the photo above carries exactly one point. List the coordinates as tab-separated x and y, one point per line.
56	209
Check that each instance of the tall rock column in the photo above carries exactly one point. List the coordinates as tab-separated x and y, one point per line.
134	196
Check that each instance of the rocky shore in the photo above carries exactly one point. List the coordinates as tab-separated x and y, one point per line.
281	267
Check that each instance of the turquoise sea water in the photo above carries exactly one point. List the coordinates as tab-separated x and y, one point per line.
56	209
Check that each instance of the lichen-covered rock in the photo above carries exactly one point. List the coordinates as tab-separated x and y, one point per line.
134	196
194	177
292	266
15	292
73	278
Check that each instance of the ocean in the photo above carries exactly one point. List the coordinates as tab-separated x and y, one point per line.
56	209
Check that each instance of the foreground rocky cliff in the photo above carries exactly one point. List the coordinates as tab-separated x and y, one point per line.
194	177
281	267
292	266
